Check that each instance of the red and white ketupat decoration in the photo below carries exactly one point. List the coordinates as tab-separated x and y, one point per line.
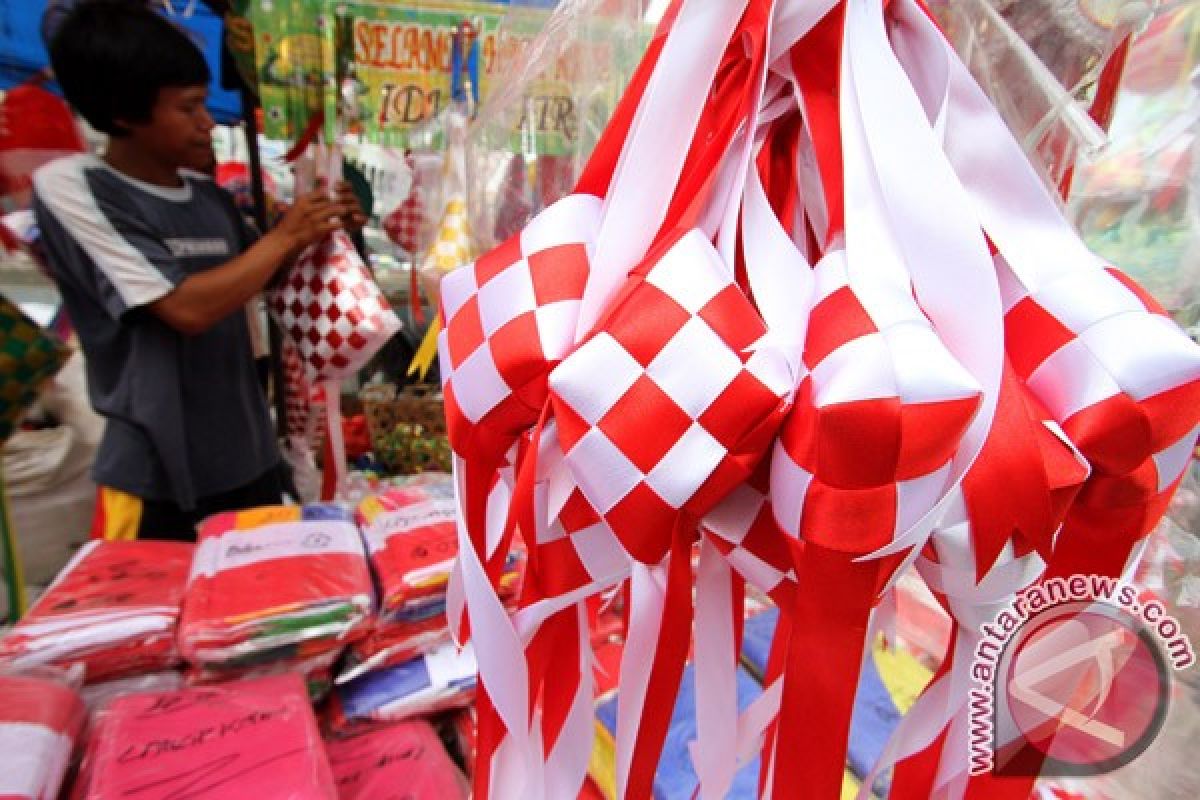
330	308
811	308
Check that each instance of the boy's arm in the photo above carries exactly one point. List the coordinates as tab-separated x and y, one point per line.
201	300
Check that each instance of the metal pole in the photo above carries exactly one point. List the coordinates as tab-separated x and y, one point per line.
274	335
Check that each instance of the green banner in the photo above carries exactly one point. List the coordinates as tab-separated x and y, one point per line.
397	59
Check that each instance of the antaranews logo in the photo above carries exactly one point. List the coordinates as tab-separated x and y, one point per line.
1072	679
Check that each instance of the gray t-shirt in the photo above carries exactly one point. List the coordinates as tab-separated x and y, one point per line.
186	417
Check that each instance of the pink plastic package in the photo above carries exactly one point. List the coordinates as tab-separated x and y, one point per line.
406	758
248	740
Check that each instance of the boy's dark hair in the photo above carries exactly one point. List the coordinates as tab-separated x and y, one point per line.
111	57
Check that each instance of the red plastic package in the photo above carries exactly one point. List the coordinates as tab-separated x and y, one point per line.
40	721
113	608
248	740
412	540
270	580
405	758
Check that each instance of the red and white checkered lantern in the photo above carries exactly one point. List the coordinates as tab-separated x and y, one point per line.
667	430
331	309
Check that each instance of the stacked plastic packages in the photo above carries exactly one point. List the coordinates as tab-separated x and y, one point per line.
247	740
275	589
40	720
412	541
114	608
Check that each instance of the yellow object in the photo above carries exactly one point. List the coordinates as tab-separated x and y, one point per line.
118	515
14	574
602	767
451	251
427	352
904	676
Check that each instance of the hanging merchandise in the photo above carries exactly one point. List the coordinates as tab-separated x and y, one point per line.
278	583
41	718
407	756
113	608
451	248
240	741
336	316
332	311
408	226
289	55
814	365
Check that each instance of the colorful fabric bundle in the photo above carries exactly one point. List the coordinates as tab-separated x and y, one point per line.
238	741
811	308
442	679
407	757
40	720
272	583
114	608
412	543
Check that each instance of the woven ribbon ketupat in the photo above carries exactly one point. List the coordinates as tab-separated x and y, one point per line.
807	312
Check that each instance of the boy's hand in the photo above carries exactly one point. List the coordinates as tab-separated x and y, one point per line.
313	217
356	219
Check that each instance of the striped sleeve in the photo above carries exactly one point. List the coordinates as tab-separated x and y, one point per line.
97	242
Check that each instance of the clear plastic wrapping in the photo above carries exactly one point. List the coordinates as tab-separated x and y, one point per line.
275	583
405	757
565	72
1039	61
248	740
99	695
41	717
1137	202
114	608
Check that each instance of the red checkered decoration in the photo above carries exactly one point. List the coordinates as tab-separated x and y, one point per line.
408	226
510	317
305	402
713	417
331	309
1115	372
876	421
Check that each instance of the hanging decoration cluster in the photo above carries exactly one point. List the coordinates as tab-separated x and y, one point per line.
811	312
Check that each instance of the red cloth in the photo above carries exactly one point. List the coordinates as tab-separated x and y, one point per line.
36	127
114	608
40	720
405	758
249	740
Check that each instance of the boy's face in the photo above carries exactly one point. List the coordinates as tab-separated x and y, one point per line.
179	131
